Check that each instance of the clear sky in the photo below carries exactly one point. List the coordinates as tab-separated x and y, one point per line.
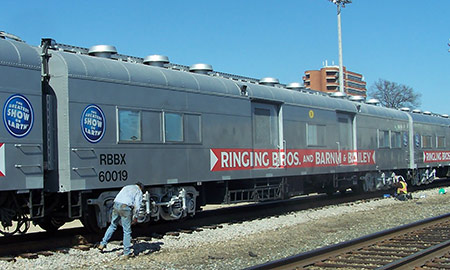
404	41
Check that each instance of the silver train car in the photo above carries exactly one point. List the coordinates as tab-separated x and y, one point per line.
79	124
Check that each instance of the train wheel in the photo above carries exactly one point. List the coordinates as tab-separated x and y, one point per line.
13	219
360	187
4	196
89	220
50	224
330	191
7	230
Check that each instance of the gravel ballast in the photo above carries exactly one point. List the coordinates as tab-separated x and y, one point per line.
240	245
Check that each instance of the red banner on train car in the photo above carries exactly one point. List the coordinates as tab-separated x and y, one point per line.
436	156
223	159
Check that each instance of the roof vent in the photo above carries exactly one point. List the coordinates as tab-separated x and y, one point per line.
105	51
294	86
427	112
445	115
357	98
373	101
156	60
338	95
201	68
269	81
405	109
417	111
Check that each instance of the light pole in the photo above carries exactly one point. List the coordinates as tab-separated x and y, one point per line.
340	3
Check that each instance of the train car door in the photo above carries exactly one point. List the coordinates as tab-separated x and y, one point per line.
267	126
345	132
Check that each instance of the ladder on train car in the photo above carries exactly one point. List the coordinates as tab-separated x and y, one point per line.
36	203
265	190
74	201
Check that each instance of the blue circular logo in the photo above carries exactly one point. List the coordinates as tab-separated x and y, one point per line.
18	116
93	123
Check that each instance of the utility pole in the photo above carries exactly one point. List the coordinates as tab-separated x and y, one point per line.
339	4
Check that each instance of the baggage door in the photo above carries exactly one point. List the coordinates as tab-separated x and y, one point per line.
345	132
267	128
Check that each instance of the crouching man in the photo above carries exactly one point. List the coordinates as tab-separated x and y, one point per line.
126	207
402	190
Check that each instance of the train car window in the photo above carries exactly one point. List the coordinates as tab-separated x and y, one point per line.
262	125
426	141
173	127
193	127
417	140
152	127
440	142
396	141
315	135
405	139
129	125
383	139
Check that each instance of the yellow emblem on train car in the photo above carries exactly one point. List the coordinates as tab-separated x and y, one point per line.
311	114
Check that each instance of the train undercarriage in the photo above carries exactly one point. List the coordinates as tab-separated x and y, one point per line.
178	202
51	211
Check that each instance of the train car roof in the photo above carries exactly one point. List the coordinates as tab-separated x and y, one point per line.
433	119
80	65
19	54
95	68
383	112
176	77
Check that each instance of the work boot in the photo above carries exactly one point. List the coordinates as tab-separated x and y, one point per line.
101	247
127	256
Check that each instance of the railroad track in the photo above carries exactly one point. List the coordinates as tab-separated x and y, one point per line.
421	245
33	244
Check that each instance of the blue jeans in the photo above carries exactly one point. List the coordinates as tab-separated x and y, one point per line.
123	213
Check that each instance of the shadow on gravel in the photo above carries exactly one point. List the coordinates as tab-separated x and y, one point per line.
146	248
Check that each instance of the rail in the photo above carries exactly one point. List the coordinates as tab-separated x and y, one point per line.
389	249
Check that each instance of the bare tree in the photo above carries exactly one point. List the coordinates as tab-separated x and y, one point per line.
394	95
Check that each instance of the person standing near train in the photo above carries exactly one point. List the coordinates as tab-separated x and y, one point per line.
126	207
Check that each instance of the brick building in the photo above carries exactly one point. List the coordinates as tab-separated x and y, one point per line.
327	80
